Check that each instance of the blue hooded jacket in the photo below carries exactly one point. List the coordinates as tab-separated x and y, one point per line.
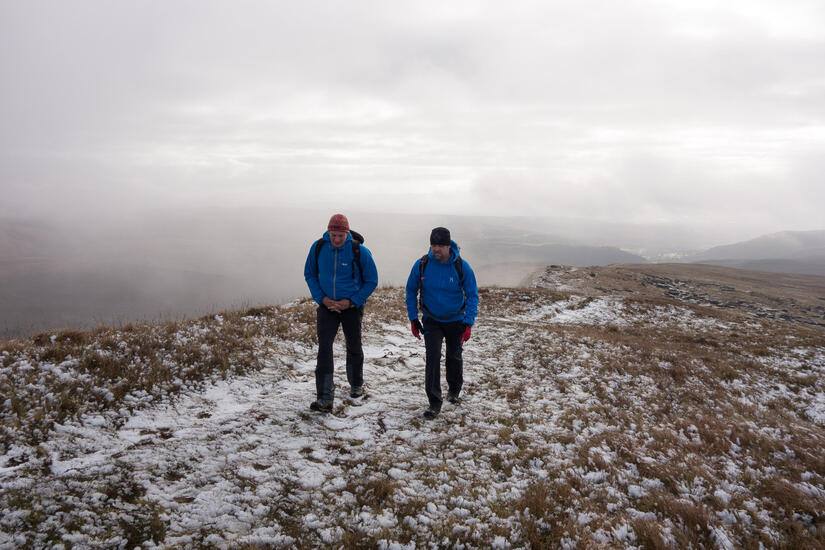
335	278
441	291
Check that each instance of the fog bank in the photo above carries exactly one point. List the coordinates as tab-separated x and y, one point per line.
170	263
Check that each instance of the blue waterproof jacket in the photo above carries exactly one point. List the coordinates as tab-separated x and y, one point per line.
441	292
333	276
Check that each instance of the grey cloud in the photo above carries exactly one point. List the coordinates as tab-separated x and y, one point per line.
650	188
647	109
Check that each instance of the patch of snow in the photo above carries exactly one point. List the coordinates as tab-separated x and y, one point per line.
635	491
723	496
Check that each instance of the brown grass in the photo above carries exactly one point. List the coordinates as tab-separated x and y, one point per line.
649	534
110	364
375	493
542	510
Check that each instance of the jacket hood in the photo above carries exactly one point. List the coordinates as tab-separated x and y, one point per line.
453	252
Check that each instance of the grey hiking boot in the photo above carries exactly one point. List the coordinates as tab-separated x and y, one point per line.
356	391
431	412
453	398
321	406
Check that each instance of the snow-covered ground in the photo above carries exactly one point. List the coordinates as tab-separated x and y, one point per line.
602	422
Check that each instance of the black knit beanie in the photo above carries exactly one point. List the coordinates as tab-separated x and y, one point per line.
440	236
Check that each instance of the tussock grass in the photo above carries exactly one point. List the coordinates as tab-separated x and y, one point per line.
55	377
375	493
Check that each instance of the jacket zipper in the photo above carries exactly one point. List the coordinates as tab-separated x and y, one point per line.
334	273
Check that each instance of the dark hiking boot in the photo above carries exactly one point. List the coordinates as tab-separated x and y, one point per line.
321	406
431	413
356	392
453	398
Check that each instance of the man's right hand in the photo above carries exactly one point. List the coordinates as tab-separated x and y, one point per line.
416	328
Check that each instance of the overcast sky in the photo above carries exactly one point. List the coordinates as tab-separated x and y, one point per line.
697	112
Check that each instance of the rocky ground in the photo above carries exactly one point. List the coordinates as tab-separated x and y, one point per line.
797	298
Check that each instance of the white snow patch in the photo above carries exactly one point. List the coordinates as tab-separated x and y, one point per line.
722	496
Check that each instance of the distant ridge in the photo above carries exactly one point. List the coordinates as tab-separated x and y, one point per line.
800	252
791	245
501	251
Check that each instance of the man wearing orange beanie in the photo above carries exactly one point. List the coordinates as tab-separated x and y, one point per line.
341	275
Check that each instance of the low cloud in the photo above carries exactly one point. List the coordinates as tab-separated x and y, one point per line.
701	113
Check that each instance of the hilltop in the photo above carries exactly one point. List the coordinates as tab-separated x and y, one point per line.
785	245
801	252
637	406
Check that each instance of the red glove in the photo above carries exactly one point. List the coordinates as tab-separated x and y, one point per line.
466	335
416	328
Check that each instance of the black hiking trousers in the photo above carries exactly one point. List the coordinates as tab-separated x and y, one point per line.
328	322
434	333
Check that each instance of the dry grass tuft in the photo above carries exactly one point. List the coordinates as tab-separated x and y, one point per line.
791	499
542	509
375	493
649	535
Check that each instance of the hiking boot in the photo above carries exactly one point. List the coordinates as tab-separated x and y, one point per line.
321	406
431	413
453	398
356	391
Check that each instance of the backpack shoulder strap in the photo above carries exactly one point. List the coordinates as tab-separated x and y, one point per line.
318	244
421	266
459	267
356	258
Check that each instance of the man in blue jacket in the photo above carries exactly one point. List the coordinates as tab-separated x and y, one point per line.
341	275
449	305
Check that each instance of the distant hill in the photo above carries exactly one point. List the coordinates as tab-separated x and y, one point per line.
789	245
785	252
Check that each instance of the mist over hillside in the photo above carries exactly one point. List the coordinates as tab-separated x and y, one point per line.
174	263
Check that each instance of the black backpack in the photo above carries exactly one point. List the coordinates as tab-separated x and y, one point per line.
459	267
357	240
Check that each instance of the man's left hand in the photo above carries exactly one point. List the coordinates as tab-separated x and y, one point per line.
466	335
